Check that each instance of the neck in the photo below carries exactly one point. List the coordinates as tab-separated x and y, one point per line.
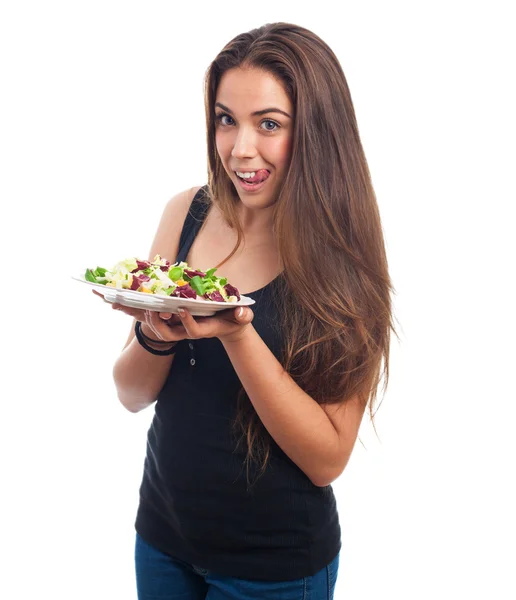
255	222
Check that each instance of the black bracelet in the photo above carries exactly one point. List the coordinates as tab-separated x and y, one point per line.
140	336
150	340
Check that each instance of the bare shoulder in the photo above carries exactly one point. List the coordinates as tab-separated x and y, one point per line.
168	232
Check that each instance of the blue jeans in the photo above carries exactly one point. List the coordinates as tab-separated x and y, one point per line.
161	577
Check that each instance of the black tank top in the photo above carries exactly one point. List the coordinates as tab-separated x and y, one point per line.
195	502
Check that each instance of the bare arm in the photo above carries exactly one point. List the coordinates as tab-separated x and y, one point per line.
139	375
318	438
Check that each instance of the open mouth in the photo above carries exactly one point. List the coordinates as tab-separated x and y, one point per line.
260	177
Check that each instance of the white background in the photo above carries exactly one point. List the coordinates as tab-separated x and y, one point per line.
102	121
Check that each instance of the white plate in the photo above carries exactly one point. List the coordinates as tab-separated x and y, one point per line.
196	307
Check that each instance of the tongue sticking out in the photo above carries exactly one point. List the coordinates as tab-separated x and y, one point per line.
259	176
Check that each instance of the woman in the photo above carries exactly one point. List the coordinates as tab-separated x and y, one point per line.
289	217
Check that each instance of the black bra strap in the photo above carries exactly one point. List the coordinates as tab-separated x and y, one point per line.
193	222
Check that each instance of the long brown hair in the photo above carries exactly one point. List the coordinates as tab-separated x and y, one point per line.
335	311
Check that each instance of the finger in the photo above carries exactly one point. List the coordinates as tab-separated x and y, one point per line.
169	319
240	315
243	315
165	331
132	312
121	308
101	295
189	323
163	327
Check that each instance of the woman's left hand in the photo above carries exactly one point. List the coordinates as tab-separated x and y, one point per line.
227	325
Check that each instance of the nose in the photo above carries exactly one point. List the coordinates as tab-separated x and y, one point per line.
244	145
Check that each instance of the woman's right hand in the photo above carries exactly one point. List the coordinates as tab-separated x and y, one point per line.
145	319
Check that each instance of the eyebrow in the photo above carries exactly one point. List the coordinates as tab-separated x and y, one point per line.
257	113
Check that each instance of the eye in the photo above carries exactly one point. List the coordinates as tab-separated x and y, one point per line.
276	126
220	116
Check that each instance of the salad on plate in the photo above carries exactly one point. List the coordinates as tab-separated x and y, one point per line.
160	278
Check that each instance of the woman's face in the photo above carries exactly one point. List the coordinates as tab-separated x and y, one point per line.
254	142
